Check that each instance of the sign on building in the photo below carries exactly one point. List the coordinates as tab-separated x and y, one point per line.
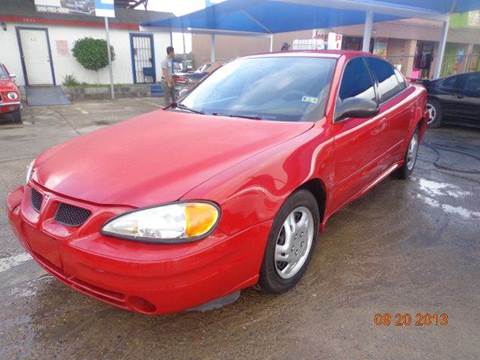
320	41
102	8
469	19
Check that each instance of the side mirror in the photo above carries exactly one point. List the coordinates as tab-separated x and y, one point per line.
356	107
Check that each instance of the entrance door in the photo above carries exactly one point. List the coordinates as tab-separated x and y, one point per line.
143	58
36	57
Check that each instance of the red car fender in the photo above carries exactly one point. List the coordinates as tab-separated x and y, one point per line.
273	175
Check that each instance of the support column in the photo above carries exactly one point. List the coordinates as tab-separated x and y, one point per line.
213	57
410	51
441	49
271	42
367	31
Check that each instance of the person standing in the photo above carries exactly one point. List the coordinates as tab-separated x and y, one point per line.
167	79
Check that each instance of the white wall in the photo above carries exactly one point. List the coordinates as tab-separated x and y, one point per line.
66	64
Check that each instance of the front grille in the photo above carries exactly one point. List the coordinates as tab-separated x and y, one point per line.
70	215
37	200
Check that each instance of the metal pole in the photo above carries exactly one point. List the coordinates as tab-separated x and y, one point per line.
441	50
367	31
110	70
184	51
212	49
271	42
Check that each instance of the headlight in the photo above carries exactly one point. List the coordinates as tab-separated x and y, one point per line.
173	223
12	95
29	172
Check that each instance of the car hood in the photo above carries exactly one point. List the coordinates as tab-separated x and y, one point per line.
156	157
7	85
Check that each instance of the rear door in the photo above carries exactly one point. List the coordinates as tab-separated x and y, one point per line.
359	142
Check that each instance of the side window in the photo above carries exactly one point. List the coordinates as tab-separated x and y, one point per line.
449	83
356	81
388	83
456	82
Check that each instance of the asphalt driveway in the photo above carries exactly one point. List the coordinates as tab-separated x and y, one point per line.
406	247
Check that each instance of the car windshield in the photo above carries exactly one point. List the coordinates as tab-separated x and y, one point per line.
3	73
269	88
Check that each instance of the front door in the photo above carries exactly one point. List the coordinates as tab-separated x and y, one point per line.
36	57
143	58
359	142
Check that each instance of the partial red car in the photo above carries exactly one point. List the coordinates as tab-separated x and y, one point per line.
9	96
228	188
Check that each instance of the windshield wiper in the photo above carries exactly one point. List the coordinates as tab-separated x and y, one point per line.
252	117
186	108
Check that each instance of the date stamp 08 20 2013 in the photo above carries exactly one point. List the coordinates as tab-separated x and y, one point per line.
406	319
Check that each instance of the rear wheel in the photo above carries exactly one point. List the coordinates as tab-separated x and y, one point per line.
410	158
291	242
435	114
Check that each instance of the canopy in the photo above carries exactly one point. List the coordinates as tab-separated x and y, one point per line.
275	16
260	17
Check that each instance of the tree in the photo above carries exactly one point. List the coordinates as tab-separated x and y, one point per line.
92	53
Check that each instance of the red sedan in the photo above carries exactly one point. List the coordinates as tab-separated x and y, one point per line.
228	188
9	96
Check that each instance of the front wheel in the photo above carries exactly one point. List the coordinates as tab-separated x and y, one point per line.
291	242
410	158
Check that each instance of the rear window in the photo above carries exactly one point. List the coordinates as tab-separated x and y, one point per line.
389	83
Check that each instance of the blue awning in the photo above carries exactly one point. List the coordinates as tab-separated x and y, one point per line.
275	16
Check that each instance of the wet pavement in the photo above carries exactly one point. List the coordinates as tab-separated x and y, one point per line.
406	247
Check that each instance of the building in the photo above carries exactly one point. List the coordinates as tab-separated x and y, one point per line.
36	46
411	44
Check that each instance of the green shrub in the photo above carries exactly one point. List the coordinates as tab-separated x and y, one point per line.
92	53
70	81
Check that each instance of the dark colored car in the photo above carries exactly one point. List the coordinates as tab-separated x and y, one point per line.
454	100
194	77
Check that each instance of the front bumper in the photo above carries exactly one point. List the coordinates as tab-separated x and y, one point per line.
147	278
6	107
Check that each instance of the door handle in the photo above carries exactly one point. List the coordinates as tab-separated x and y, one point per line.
460	96
382	125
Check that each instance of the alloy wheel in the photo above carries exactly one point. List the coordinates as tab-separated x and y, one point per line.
412	152
294	242
432	113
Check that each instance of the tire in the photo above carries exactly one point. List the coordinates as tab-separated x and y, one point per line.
15	116
410	158
278	276
434	109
